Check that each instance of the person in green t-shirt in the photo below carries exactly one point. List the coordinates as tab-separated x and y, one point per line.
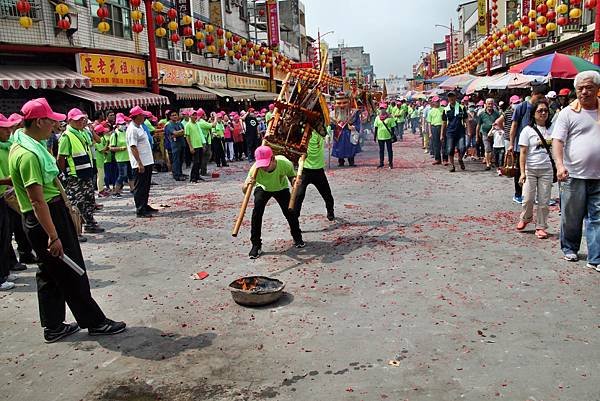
102	152
314	173
118	145
383	126
51	232
75	160
206	130
485	121
218	142
271	175
195	141
434	118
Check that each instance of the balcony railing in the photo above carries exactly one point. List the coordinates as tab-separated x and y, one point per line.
8	9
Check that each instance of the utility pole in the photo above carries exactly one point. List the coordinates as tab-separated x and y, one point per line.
151	47
597	35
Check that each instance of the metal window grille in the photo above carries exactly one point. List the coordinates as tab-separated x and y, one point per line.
119	17
8	9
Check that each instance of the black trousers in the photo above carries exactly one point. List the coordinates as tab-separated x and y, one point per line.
218	148
238	149
206	155
382	145
56	282
518	187
342	161
5	241
252	144
141	188
261	197
196	161
16	228
319	180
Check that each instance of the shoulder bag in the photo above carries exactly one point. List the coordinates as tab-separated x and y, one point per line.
394	137
545	145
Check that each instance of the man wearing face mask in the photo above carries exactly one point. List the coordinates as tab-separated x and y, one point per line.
75	161
505	120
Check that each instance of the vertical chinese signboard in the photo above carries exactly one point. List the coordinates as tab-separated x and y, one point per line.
525	7
183	8
482	17
273	23
448	49
113	71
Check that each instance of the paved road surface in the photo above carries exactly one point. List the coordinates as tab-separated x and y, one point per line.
420	291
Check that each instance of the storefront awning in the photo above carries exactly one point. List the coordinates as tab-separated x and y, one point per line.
262	96
39	77
118	99
222	92
185	93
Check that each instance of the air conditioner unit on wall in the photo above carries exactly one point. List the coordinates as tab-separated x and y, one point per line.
175	54
187	57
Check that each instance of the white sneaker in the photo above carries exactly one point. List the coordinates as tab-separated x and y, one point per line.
571	257
593	266
7	285
11	277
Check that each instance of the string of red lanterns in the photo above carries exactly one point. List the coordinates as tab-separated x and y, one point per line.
541	22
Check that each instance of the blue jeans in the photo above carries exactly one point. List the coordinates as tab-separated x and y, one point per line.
400	130
438	146
177	149
579	200
414	124
125	172
455	142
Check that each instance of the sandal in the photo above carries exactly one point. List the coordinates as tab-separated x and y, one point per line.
541	234
522	224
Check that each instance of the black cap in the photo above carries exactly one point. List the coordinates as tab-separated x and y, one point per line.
451	94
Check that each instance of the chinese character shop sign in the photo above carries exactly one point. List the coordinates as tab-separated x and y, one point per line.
113	71
273	23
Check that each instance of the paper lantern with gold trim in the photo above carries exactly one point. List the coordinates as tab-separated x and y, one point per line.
188	42
172	25
103	27
199	35
25	21
157	6
61	9
136	15
575	13
160	32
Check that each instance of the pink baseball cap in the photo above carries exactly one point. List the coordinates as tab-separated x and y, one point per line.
263	155
271	107
121	119
514	99
39	108
15	118
75	114
137	110
435	99
100	129
185	113
444	103
263	110
480	103
10	121
383	105
251	110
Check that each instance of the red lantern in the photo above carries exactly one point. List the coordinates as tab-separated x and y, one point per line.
102	12
542	9
575	2
251	60
562	21
159	19
135	3
137	27
187	31
532	25
175	38
220	32
244	51
64	24
525	20
229	45
261	12
199	25
172	13
590	4
510	27
551	15
210	39
511	45
525	39
222	52
236	38
495	21
23	6
238	55
541	31
250	45
200	45
263	64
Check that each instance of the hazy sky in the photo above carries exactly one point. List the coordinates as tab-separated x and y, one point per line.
394	32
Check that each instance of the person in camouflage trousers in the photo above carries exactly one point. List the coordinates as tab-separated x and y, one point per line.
75	161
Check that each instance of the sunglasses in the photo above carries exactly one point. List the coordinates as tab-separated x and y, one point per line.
541	111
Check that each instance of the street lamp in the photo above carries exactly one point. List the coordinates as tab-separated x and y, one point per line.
319	44
449	57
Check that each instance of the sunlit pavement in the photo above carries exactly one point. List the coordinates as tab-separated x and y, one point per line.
421	290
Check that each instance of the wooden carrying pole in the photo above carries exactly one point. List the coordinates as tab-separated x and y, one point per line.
272	126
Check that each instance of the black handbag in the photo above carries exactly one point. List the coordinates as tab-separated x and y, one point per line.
545	145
